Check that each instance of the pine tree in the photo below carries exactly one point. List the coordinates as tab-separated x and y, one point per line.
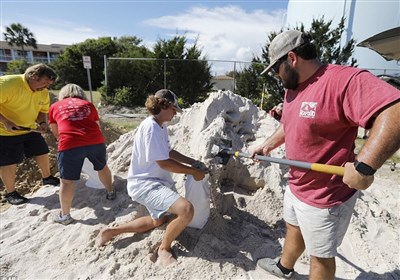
186	73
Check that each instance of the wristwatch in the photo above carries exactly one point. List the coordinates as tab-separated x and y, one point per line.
364	168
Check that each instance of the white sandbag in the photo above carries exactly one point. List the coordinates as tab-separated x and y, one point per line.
93	181
198	193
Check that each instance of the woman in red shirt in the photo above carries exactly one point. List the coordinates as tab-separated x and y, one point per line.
75	122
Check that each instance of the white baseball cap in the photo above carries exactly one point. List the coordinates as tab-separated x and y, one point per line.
282	44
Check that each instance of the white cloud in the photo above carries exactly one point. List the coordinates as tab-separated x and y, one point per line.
222	33
50	35
243	53
227	33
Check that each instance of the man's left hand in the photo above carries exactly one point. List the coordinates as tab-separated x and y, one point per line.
355	179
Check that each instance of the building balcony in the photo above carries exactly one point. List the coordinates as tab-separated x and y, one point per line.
5	58
30	59
41	59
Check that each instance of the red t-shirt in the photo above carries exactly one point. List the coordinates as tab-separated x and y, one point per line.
321	120
76	120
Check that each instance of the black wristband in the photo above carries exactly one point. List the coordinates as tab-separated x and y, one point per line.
364	168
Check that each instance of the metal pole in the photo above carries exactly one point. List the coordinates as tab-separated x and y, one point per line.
262	97
165	73
105	71
234	76
90	84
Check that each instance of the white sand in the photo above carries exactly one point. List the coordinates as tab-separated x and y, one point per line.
245	223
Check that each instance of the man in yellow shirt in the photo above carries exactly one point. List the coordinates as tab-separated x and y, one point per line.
24	104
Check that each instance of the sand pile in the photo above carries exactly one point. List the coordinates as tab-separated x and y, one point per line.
245	221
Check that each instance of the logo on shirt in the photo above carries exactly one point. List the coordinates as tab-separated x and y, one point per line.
308	110
74	112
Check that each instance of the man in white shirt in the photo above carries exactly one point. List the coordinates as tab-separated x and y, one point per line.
149	178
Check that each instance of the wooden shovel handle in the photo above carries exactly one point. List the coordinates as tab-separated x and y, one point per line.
326	168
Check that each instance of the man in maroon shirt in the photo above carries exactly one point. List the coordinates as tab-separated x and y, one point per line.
324	106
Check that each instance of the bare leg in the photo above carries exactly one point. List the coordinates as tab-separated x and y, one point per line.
294	246
139	225
7	175
67	189
322	268
106	177
44	164
184	211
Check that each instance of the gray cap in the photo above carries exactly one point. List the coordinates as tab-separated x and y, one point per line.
282	44
170	96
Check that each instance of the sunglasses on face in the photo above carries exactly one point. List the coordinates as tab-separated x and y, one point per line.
277	65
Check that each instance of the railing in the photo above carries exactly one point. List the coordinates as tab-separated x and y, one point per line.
38	59
6	58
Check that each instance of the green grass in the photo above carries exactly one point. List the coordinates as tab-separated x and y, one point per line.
96	97
123	125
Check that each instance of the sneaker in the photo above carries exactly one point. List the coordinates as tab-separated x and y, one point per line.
15	198
270	265
51	180
111	195
63	219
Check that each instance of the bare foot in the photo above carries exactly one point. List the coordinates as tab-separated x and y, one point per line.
103	237
165	258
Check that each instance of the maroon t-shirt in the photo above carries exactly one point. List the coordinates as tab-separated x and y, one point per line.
77	123
321	121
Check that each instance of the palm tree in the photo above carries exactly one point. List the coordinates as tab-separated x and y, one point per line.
20	36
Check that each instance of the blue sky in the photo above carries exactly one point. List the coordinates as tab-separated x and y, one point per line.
225	30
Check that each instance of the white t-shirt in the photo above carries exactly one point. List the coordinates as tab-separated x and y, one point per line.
151	143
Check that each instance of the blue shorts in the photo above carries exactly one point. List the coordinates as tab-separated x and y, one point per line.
70	162
158	199
14	148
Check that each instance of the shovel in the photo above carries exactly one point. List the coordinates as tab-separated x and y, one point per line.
319	167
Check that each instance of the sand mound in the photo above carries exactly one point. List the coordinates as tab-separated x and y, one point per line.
245	222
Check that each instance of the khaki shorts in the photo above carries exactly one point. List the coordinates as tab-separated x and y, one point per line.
158	199
323	230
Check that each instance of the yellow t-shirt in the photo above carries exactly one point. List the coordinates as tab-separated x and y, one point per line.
19	104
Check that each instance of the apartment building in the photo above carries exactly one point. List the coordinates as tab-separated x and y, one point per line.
43	54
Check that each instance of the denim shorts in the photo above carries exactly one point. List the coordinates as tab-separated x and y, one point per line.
70	162
323	229
158	199
14	148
